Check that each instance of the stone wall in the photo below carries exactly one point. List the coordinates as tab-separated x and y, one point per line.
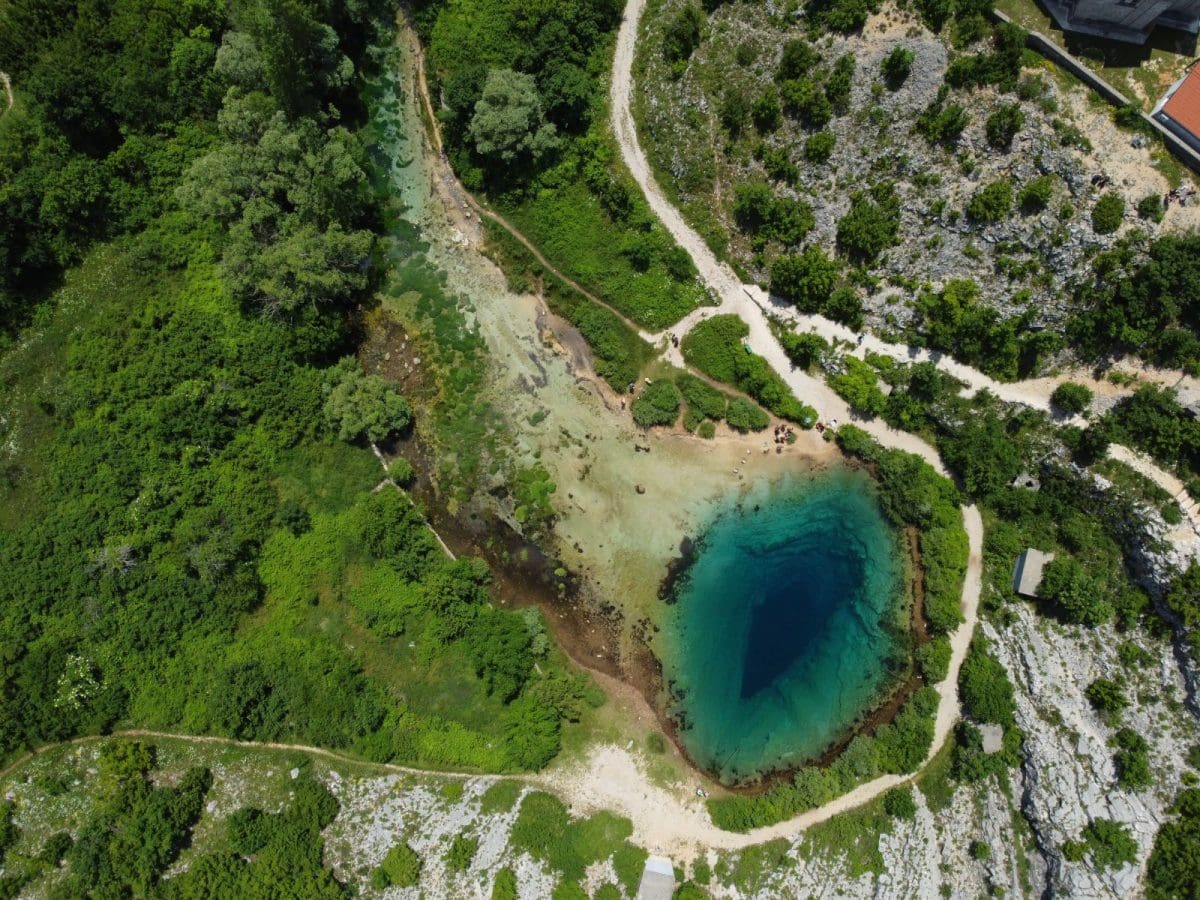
1058	55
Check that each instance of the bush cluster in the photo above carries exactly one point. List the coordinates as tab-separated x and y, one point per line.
896	67
766	217
912	493
1002	125
1071	397
657	404
1036	193
716	347
1108	213
871	225
991	203
1171	871
858	384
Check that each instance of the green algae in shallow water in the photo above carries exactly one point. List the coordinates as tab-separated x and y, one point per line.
787	627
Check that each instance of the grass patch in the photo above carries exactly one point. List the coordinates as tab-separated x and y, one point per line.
571	228
545	829
717	348
853	836
500	797
619	353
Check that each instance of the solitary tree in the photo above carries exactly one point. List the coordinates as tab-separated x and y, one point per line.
509	120
896	66
365	406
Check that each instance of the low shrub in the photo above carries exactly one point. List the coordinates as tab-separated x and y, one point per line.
871	225
804	350
942	123
1110	844
744	416
462	851
1171	871
505	885
1071	398
987	694
858	385
766	113
657	404
991	203
896	67
899	803
1132	760
1002	125
1036	193
933	659
797	57
401	471
1081	597
845	306
1107	697
1108	213
807	279
765	217
401	867
818	147
805	100
703	401
1151	207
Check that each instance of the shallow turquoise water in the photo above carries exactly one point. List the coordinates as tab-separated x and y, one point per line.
786	627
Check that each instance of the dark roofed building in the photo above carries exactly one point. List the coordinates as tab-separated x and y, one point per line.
1124	20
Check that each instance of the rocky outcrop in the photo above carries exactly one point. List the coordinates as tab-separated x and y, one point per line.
1068	778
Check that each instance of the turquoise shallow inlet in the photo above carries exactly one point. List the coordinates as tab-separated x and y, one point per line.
787	625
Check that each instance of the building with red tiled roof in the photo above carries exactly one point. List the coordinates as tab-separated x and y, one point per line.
1179	109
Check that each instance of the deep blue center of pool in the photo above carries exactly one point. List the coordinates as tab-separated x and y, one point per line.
787	626
802	587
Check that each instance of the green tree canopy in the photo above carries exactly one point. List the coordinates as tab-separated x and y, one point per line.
365	406
509	121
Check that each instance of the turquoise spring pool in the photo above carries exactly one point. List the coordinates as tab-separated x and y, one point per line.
787	624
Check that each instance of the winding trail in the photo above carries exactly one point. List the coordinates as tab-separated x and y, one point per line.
751	305
755	306
452	192
666	819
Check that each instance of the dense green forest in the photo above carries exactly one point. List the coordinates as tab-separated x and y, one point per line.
188	534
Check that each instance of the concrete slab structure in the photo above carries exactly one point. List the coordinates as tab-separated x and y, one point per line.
658	879
993	738
1027	574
